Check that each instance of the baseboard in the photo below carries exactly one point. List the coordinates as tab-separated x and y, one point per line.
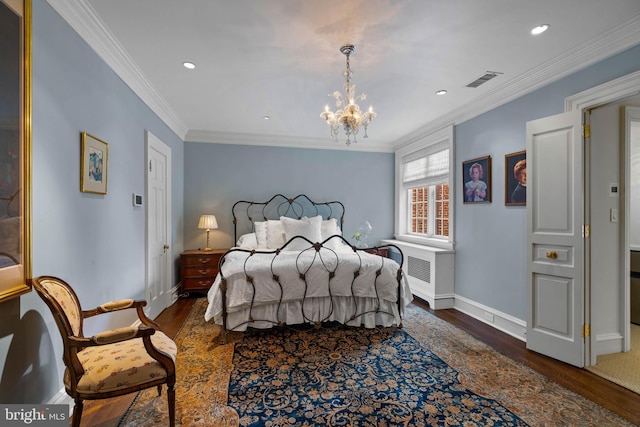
62	398
174	292
609	343
506	323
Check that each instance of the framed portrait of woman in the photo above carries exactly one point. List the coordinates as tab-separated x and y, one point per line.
476	180
15	148
515	179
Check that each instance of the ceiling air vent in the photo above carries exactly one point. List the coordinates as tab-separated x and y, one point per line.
483	79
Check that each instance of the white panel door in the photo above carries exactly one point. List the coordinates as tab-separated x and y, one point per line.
555	244
158	220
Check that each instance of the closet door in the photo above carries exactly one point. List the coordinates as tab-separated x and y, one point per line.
555	242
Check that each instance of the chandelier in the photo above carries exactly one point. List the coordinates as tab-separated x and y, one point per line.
349	115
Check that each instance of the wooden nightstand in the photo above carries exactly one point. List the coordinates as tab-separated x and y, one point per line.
198	269
384	252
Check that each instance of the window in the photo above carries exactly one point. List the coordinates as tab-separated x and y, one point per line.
429	219
424	211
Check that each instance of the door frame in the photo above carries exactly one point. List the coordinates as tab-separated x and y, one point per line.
153	142
630	114
605	93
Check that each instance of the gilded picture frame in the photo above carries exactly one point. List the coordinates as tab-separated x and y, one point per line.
94	169
515	179
15	148
476	180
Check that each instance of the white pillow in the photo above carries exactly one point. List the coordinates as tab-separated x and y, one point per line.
248	241
305	227
275	234
329	228
260	228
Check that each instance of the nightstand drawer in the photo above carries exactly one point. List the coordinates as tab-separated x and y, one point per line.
200	260
202	284
196	271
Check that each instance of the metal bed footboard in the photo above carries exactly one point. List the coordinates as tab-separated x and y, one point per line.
323	256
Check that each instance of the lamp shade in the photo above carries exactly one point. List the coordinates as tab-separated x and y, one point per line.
208	222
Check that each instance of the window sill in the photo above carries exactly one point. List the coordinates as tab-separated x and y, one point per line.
425	241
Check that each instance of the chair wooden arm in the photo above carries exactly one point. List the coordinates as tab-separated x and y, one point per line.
113	336
123	304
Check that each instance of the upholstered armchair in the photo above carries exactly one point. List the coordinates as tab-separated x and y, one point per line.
111	363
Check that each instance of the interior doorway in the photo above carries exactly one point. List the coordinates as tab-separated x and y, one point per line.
158	220
595	338
615	240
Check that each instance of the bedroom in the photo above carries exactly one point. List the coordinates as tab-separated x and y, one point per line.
69	77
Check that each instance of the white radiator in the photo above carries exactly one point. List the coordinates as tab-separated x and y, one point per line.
430	272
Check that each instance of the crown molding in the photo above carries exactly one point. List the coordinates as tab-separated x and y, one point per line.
611	42
85	21
283	141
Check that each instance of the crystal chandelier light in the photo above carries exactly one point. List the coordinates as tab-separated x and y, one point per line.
349	115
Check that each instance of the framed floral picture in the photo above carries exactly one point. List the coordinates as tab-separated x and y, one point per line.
93	174
515	179
476	180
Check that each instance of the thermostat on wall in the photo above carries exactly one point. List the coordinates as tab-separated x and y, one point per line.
137	199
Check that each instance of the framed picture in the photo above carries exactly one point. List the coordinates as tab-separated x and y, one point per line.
476	180
93	174
15	149
515	179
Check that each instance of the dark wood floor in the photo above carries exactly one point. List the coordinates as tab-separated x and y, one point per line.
107	413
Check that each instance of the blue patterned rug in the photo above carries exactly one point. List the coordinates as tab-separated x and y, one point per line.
351	377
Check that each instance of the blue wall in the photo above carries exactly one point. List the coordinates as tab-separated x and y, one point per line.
491	238
218	175
95	242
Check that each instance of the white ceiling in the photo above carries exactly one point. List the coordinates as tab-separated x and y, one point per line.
281	58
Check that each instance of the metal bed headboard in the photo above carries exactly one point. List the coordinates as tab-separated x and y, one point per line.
279	205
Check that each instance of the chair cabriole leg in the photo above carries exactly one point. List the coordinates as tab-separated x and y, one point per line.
77	412
171	397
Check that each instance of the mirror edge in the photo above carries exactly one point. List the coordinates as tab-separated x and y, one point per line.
26	286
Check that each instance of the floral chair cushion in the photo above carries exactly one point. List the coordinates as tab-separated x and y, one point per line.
124	364
64	297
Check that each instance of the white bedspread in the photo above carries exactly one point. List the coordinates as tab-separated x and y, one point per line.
322	297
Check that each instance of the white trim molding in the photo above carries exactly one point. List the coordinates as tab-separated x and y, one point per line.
504	322
616	40
81	16
611	91
85	21
236	138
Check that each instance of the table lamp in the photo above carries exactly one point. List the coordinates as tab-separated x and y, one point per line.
208	222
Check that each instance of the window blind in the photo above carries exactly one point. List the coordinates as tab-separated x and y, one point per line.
430	168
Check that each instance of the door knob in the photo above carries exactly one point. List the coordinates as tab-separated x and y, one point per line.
165	247
552	255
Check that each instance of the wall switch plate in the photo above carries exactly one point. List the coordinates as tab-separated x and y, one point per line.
613	214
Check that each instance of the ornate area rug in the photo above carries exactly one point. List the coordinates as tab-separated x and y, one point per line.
202	378
351	377
359	377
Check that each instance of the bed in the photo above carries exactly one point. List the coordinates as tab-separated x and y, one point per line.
292	266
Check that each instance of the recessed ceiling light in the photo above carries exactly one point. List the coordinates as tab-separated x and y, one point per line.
441	92
540	29
189	65
266	117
